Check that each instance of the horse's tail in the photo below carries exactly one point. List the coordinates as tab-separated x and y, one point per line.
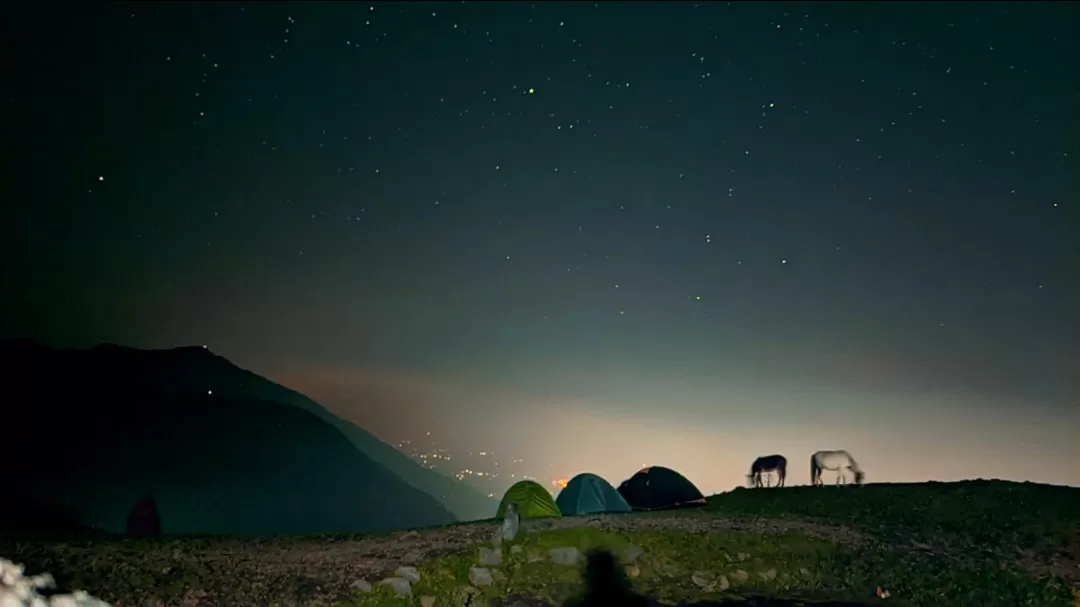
815	469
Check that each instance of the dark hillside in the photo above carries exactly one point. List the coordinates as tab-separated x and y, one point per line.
99	428
198	369
983	516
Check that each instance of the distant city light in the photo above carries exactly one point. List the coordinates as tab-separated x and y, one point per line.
480	468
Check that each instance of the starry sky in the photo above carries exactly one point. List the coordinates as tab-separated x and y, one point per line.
594	235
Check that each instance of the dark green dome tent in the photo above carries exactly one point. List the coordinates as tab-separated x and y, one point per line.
656	487
532	499
589	494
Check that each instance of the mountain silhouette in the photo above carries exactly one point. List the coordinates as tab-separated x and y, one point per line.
93	431
200	369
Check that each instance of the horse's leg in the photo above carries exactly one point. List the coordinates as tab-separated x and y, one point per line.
783	474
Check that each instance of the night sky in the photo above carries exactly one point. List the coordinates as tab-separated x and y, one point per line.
592	235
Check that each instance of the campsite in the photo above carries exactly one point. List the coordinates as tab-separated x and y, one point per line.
279	534
973	543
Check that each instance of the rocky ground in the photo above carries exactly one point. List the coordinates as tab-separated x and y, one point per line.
690	557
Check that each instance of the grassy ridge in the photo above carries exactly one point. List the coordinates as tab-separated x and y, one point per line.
982	515
977	543
974	542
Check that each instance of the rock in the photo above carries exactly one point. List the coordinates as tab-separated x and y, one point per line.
409	535
511	523
632	553
740	575
362	585
515	549
699	579
535	558
497	575
489	557
409	573
564	556
480	576
427	601
722	583
632	571
769	575
400	585
804	571
461	596
520	604
743	556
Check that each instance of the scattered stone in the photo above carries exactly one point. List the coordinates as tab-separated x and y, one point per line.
480	576
461	596
515	549
740	575
535	558
511	523
804	571
400	585
632	553
633	571
769	575
722	583
497	575
409	573
410	535
520	604
743	556
699	579
362	585
564	556
427	601
489	557
17	590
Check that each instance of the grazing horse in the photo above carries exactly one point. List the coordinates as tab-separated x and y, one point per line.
834	460
766	464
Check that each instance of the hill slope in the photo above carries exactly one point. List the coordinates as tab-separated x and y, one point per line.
108	424
199	369
931	545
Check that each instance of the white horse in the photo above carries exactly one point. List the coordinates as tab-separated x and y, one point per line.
834	460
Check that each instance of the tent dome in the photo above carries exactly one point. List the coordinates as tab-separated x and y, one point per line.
657	487
588	494
532	499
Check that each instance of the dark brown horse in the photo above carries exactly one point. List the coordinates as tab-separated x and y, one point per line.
766	464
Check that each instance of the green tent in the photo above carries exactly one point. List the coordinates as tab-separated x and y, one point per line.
532	499
587	494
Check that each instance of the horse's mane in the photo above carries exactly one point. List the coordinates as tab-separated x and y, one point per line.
854	464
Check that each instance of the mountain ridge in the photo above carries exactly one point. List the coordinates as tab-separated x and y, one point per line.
464	501
103	425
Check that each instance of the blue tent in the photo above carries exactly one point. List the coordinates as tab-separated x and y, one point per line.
587	494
